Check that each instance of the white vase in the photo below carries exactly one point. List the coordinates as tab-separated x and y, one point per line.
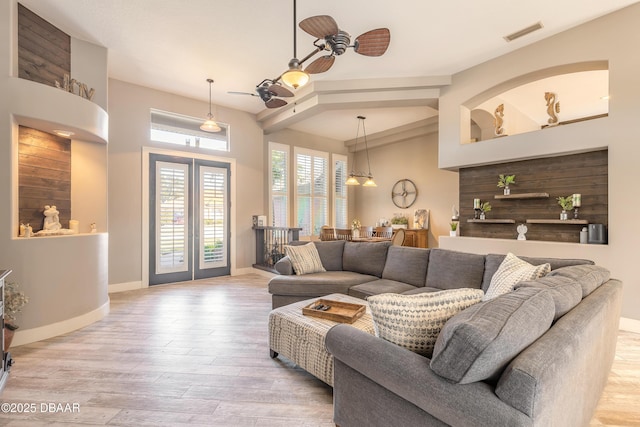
482	215
453	233
355	233
564	216
507	190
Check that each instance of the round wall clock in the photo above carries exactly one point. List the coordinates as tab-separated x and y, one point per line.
404	193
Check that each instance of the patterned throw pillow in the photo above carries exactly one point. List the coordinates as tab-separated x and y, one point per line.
414	321
512	271
304	259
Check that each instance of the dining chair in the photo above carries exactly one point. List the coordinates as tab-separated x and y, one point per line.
366	231
386	232
398	237
327	233
343	234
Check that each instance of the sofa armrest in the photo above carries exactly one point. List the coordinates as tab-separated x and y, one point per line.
284	266
409	376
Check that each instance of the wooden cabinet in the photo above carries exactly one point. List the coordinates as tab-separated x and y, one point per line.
417	238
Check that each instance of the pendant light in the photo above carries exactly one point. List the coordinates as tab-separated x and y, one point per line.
354	175
210	125
295	77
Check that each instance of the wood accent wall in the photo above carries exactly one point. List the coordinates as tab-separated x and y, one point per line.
44	176
585	173
44	52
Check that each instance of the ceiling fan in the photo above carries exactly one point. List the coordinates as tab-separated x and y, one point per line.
336	41
270	92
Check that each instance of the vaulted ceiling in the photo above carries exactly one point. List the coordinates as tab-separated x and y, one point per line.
175	45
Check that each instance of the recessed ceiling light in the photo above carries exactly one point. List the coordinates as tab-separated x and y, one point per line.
523	32
63	133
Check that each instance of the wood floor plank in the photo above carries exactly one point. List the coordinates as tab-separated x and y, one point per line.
196	354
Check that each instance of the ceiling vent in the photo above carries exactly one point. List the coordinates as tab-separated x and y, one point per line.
523	32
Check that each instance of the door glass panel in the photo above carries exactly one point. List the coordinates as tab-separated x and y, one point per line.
172	189
213	226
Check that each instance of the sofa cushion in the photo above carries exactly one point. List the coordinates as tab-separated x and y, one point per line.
381	286
566	293
588	276
284	266
331	254
317	284
304	259
414	321
493	261
511	271
365	257
406	264
451	269
479	342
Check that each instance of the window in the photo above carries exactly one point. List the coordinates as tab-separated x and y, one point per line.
340	205
279	184
183	130
311	194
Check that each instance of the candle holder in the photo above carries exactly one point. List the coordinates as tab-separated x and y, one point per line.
575	213
476	213
577	202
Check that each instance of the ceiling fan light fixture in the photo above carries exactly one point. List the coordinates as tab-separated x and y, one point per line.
210	125
295	77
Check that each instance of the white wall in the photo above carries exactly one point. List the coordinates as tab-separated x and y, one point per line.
611	38
129	127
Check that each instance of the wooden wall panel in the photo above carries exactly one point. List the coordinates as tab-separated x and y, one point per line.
585	173
44	52
44	176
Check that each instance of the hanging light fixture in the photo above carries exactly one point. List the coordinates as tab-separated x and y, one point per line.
354	175
295	77
210	125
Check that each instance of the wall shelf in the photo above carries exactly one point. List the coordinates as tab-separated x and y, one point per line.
522	196
558	221
492	221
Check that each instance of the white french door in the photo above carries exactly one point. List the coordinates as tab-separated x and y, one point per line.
188	219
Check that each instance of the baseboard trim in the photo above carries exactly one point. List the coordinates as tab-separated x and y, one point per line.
28	336
128	286
630	325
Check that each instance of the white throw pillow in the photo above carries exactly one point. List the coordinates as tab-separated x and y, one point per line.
414	321
512	271
304	259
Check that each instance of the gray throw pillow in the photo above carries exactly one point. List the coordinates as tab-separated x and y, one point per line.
590	277
566	293
478	343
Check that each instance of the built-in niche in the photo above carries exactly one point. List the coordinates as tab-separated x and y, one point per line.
539	100
533	198
44	176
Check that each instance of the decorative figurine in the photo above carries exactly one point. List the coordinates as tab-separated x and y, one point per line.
553	108
522	230
51	219
498	120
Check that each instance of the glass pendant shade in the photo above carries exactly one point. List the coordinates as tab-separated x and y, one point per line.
370	182
352	180
295	77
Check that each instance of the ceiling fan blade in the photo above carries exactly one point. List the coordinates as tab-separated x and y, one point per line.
321	64
278	90
275	103
241	93
373	43
319	26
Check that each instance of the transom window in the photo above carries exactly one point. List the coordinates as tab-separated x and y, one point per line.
182	130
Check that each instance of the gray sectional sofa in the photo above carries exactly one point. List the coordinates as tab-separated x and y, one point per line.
555	381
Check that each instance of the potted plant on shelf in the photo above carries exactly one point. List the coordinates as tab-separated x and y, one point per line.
399	221
454	229
14	300
566	203
504	181
484	208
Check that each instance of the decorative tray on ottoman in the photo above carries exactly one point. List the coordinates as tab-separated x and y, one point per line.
337	311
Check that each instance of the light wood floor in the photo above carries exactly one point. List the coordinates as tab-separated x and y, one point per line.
197	354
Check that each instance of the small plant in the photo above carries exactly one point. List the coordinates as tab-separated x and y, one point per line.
454	226
485	207
399	219
355	224
14	300
506	180
566	203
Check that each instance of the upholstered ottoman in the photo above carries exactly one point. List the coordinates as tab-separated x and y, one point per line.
300	338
